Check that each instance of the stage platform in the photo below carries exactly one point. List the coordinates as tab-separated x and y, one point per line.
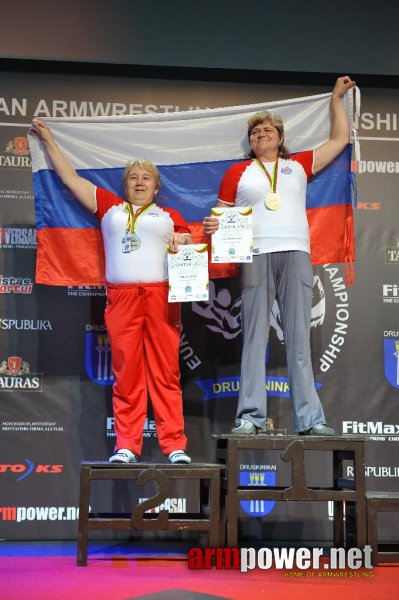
148	571
221	491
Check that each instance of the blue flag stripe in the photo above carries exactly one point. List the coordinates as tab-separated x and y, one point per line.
190	188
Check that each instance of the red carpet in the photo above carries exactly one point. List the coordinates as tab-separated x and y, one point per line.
122	578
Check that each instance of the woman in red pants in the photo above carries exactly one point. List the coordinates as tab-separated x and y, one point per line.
144	329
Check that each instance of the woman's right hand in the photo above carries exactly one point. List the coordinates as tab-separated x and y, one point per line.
81	188
210	225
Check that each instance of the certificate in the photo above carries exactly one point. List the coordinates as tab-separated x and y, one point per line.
232	242
188	273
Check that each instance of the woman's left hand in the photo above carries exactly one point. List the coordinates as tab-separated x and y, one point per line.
342	85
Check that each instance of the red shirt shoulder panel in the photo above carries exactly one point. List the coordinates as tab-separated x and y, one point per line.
230	181
105	199
179	221
306	159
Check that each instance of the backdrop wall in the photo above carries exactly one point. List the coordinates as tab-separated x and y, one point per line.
311	37
55	376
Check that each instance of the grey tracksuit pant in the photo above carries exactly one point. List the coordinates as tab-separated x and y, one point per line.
287	277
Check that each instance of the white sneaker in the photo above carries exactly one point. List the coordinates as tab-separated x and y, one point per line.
245	428
319	429
179	457
123	456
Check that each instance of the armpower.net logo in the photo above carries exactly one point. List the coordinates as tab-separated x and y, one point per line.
352	562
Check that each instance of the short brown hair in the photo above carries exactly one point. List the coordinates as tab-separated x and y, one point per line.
276	121
147	165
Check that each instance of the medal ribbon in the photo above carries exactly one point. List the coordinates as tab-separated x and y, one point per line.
133	216
273	178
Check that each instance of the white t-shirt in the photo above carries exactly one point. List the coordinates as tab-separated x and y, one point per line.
246	184
148	263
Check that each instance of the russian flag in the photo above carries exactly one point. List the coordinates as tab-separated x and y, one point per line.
192	150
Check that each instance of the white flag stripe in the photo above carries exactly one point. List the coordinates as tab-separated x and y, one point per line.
182	137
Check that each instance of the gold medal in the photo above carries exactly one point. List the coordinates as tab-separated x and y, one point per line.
273	201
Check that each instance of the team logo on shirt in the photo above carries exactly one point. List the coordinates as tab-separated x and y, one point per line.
286	170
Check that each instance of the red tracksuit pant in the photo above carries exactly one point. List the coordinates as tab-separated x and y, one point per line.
144	331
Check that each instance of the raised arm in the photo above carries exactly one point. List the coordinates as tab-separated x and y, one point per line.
339	134
82	189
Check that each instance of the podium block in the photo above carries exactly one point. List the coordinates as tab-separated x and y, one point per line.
207	520
378	502
349	531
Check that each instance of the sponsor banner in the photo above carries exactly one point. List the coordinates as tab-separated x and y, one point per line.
230	386
391	361
331	510
86	291
330	313
257	478
390	293
392	255
25	324
378	431
187	354
149	429
384	167
15	285
22	470
31	426
380	472
15	375
16	154
20	514
368	205
45	107
338	335
378	123
172	505
17	238
98	358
